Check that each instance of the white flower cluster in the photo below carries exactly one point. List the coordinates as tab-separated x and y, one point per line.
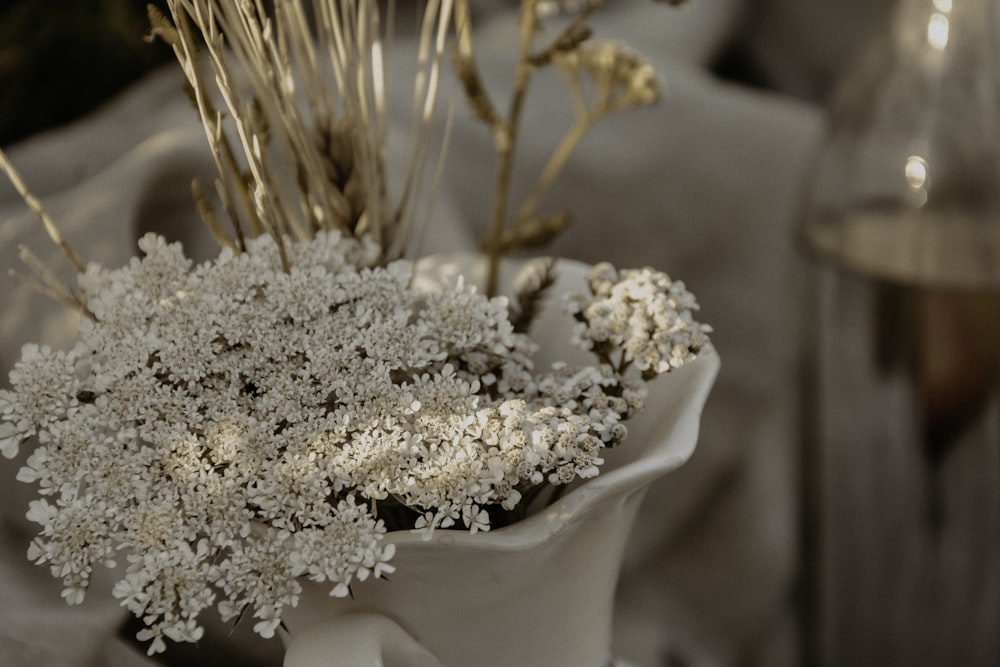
232	427
639	318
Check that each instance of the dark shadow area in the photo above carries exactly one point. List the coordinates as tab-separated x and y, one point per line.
57	65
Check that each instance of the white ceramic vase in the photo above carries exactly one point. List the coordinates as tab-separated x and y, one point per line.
536	593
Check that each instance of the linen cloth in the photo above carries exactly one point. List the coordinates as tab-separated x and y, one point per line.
704	185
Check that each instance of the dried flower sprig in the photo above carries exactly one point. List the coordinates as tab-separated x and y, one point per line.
621	78
314	154
646	320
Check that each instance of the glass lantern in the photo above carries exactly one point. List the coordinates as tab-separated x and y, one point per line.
901	457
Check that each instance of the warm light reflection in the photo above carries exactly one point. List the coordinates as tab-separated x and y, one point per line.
943	6
937	31
916	171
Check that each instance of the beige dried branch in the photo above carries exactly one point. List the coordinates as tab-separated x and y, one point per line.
45	282
433	42
621	80
437	177
535	232
36	207
464	61
231	185
309	111
211	217
571	39
624	80
43	279
505	139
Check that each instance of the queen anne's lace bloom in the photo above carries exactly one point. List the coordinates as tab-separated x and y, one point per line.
638	318
234	427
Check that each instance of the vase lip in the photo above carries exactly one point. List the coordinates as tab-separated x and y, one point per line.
692	383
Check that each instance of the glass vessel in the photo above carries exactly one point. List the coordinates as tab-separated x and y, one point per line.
908	187
901	457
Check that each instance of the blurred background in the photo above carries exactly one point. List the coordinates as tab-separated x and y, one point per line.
843	507
67	59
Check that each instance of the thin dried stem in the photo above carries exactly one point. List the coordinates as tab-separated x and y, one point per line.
506	133
434	35
210	217
47	283
506	140
438	174
230	184
572	35
36	206
314	153
618	69
464	61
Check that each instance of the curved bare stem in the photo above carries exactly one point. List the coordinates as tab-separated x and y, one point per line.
506	140
36	206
